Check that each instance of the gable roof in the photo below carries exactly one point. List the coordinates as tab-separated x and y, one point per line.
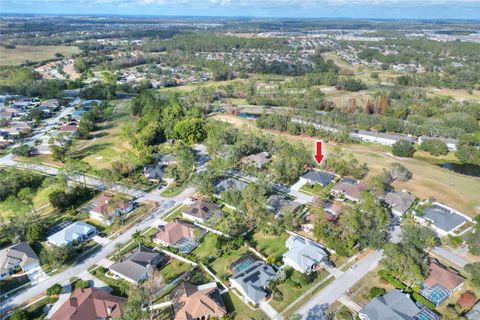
303	253
254	279
394	305
136	264
350	188
259	159
229	183
197	302
105	205
201	209
20	254
175	230
72	232
89	304
320	177
399	201
446	277
442	217
277	203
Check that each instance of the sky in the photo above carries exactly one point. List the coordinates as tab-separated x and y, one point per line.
378	9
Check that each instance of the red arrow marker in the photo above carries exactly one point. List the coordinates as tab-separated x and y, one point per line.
318	152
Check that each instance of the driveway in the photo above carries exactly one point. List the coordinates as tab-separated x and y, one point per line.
269	311
340	285
96	257
449	256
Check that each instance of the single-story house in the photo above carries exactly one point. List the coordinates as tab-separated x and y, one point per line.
200	211
451	143
442	219
191	302
395	305
387	139
229	183
17	256
349	188
154	172
441	282
136	266
74	233
333	210
90	304
320	177
277	204
399	202
253	282
474	313
303	255
259	160
104	208
177	234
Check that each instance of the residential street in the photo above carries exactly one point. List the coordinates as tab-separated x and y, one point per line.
95	258
340	285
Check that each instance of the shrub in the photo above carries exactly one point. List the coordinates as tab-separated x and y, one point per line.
403	148
343	315
277	295
19	315
54	290
394	282
422	300
434	147
81	284
375	292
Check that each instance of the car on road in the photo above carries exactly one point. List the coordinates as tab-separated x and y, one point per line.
355	266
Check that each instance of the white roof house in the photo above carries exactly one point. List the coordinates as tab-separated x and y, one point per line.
76	232
303	255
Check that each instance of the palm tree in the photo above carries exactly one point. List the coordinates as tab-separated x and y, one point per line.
138	237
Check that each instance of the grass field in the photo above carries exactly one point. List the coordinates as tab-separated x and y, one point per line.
107	145
271	245
242	311
173	270
21	54
455	190
359	293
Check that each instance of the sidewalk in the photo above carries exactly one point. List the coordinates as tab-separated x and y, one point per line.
269	311
64	295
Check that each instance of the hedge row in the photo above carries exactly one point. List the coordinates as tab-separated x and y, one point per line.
399	285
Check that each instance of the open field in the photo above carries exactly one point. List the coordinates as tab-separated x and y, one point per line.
107	145
21	54
455	190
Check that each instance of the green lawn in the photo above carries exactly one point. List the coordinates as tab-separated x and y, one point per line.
290	294
271	245
221	265
119	286
172	190
207	247
13	283
241	310
311	188
177	213
174	269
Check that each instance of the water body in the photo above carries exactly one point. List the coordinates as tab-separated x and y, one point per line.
466	169
249	115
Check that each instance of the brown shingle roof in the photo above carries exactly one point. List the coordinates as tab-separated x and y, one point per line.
447	278
105	206
174	231
201	209
467	300
350	190
90	304
192	302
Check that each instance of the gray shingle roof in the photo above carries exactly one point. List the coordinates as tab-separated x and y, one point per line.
20	254
474	313
254	279
399	201
135	265
394	305
229	183
321	177
443	218
303	253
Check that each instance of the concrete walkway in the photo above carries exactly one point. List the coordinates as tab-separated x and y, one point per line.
449	256
269	311
346	301
64	295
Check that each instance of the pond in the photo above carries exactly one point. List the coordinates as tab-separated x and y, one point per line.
249	115
466	169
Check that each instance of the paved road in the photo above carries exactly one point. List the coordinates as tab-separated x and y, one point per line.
81	266
340	285
450	256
